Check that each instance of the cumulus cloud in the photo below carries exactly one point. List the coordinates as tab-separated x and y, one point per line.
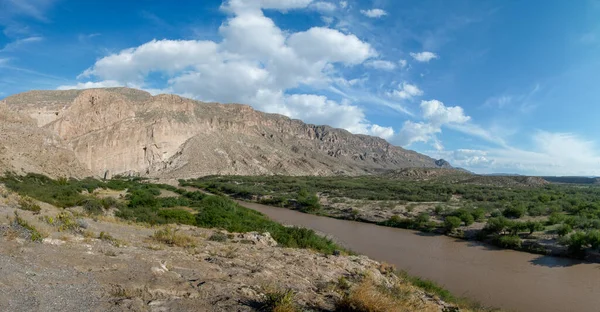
406	91
423	57
324	7
380	64
374	13
402	63
326	44
256	63
343	4
436	115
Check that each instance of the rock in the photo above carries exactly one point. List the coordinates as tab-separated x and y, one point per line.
263	239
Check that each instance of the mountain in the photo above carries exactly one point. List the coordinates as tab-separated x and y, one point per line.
26	148
127	131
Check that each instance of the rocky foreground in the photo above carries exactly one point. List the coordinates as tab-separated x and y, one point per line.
62	260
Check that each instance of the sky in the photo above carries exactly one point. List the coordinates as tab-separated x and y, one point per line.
492	86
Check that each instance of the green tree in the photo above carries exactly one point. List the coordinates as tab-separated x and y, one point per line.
533	226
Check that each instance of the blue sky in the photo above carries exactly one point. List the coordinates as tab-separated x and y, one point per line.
491	86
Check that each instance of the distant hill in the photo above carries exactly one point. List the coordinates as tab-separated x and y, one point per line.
573	180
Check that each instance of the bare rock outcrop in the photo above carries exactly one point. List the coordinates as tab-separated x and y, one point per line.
24	147
127	131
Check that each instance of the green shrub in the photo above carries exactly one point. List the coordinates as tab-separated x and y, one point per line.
509	241
555	218
179	216
478	214
92	206
218	237
438	209
451	223
496	225
308	201
422	219
514	212
564	229
535	211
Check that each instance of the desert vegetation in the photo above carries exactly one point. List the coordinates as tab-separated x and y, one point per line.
537	218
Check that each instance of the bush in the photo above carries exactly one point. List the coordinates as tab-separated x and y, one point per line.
556	218
564	229
309	202
179	216
27	203
92	206
439	209
218	237
514	212
280	301
496	225
478	214
536	211
422	219
451	223
509	241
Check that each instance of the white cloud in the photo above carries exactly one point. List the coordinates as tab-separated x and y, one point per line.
406	91
327	19
380	64
343	4
374	13
90	85
322	6
412	132
423	56
402	63
325	44
439	114
436	116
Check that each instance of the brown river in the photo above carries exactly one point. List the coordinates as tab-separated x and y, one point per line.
511	280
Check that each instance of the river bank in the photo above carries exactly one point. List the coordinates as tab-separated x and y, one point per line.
495	277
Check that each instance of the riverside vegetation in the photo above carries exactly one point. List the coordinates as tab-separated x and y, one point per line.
546	218
142	202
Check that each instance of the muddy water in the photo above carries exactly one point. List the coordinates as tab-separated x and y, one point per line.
501	278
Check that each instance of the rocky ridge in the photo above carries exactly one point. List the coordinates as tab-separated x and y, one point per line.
127	131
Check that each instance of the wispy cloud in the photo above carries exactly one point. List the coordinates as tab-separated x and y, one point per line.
424	57
523	102
19	43
374	13
31	8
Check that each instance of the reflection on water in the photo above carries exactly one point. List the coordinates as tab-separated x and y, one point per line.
501	278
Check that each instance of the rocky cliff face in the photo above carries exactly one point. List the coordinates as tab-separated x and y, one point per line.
26	148
127	131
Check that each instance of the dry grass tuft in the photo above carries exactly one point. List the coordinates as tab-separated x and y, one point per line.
280	301
171	237
368	296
